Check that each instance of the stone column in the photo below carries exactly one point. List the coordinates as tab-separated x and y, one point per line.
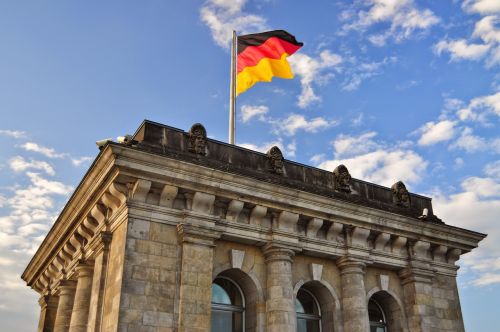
280	302
99	281
80	315
48	309
65	307
354	305
418	302
195	290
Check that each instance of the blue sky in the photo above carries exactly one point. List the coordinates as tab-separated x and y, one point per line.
396	90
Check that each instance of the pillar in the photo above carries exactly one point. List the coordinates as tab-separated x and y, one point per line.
48	309
280	301
80	314
418	300
101	258
65	307
354	304
195	290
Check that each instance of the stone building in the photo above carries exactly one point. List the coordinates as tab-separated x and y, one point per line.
172	231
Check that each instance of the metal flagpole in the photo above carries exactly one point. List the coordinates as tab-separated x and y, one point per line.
232	91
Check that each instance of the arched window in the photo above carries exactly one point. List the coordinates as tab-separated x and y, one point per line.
308	313
378	321
228	306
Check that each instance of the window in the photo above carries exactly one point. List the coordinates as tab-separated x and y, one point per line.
308	313
228	306
377	317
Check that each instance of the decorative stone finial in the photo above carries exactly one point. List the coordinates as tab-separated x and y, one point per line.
342	179
275	159
400	195
197	139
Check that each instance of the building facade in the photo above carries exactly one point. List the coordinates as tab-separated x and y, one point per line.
172	231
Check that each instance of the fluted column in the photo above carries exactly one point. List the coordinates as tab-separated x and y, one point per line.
354	305
80	315
65	307
48	309
280	302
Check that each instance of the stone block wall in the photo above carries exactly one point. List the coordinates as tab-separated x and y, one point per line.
447	304
149	277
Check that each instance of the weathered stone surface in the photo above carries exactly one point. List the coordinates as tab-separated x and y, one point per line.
354	304
81	304
184	209
280	305
67	290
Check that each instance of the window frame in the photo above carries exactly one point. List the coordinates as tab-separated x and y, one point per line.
231	307
310	317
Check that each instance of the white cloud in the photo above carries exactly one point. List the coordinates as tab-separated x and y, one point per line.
486	29
250	111
403	17
383	166
374	161
487	279
19	164
461	50
481	6
47	152
27	213
482	187
80	161
317	158
476	207
433	133
295	122
224	16
13	133
346	145
493	169
479	108
317	70
469	142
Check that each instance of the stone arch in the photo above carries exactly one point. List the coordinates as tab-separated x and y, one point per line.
393	308
255	313
331	317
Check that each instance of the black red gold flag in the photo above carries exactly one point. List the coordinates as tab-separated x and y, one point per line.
261	56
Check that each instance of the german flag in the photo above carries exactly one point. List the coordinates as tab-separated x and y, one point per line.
261	56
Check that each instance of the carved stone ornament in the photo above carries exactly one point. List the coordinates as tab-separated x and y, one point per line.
342	179
275	159
400	195
197	139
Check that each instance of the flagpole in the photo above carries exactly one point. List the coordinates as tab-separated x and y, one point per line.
232	91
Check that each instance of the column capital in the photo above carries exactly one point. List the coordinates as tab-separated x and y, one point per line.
102	242
348	264
197	235
277	252
413	274
47	301
66	287
84	268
